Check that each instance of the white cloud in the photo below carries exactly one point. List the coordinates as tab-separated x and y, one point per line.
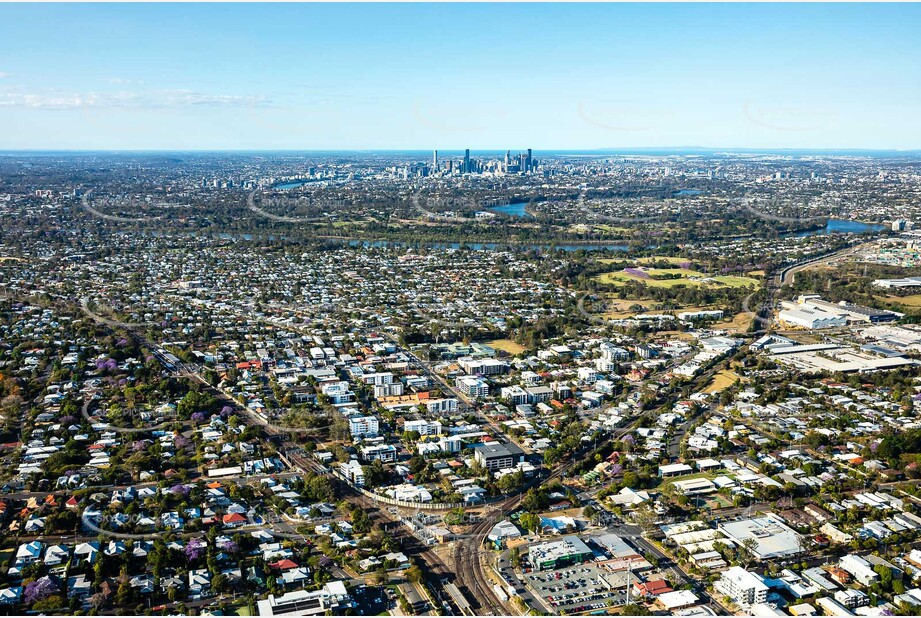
122	80
5	75
159	99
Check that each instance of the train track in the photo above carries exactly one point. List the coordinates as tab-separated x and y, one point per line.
469	569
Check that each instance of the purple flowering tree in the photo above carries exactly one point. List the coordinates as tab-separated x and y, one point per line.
230	547
636	272
195	549
41	588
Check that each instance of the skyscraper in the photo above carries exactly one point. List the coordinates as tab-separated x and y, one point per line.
435	160
466	169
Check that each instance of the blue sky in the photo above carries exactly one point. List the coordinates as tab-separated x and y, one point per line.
449	76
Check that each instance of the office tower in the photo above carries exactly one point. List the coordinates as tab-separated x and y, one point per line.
528	167
466	169
435	160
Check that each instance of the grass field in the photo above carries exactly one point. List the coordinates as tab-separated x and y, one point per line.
661	258
619	277
913	301
506	345
721	381
735	282
684	277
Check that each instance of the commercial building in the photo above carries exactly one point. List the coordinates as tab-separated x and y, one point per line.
773	537
811	318
695	487
853	313
332	597
568	550
496	456
907	282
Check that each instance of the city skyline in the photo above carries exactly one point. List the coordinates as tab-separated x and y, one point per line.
411	77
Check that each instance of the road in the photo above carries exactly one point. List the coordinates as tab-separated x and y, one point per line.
788	274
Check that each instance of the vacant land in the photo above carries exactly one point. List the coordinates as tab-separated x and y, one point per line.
721	381
740	323
506	345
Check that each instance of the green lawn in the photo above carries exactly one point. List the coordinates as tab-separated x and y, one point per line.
736	282
685	277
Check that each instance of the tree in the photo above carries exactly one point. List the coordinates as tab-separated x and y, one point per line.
511	482
414	574
123	594
749	546
530	521
635	609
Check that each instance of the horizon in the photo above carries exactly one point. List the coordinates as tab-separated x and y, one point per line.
663	150
234	77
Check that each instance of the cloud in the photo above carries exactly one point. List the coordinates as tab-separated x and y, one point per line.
5	75
159	99
121	80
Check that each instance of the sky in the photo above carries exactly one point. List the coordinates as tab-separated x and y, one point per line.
451	76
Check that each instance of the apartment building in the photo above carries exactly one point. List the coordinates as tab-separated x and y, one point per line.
743	587
364	426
